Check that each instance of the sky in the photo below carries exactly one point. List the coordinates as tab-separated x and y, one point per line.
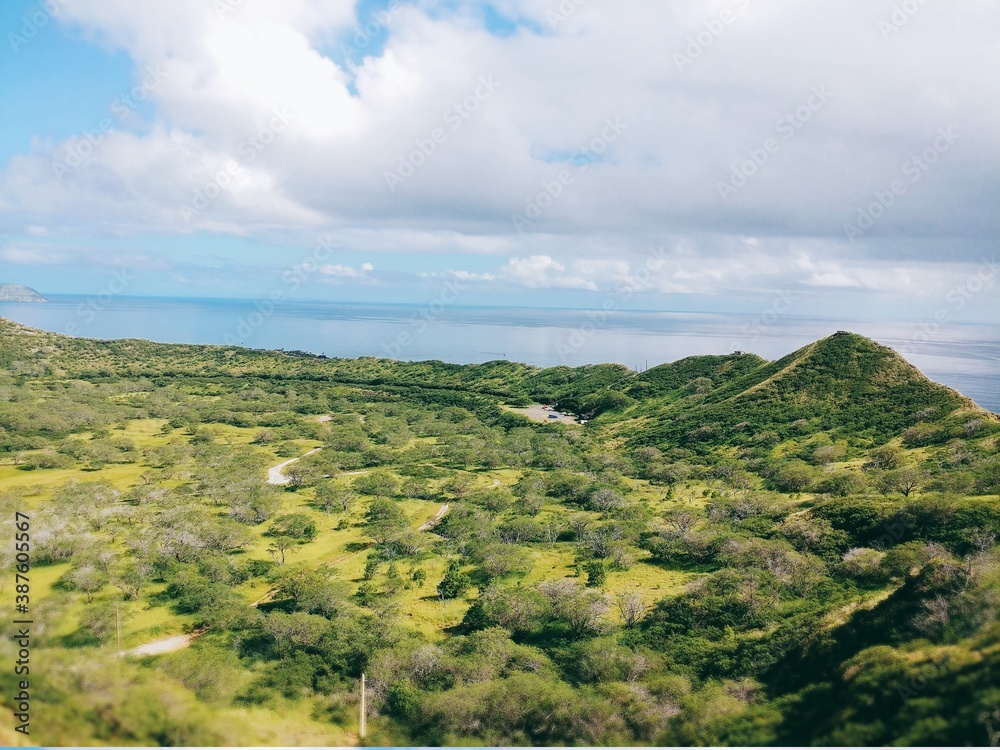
690	155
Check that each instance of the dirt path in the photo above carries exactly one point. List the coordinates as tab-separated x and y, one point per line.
163	645
430	523
275	475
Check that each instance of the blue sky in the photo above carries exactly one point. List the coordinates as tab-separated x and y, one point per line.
545	153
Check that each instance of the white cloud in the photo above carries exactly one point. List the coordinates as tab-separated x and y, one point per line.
343	271
227	73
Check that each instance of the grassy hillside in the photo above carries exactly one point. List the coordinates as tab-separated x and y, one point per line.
733	551
844	385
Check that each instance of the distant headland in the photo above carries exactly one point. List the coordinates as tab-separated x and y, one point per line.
19	293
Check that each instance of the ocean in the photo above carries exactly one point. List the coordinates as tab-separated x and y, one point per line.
963	356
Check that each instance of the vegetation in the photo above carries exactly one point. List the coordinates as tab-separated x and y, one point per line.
729	552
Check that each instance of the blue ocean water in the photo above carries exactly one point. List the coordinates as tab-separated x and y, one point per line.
965	357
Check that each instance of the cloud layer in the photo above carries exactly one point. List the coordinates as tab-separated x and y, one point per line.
760	144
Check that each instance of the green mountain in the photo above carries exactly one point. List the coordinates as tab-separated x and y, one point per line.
845	384
19	293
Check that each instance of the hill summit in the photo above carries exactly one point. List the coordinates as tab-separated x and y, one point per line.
845	382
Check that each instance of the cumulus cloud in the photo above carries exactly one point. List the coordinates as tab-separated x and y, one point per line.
709	93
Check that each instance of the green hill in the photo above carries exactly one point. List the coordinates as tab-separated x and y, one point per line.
845	384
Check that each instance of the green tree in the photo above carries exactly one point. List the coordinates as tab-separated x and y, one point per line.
455	582
597	573
298	526
385	521
380	484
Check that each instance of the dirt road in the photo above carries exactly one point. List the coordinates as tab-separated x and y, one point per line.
164	645
275	475
430	523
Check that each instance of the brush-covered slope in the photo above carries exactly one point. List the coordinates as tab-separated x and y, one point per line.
845	383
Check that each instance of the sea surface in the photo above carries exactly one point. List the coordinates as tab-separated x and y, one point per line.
963	356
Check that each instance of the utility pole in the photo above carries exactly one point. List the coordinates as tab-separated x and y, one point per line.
363	728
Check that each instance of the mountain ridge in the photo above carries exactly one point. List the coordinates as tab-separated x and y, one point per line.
843	383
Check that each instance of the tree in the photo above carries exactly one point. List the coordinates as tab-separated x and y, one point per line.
682	520
906	479
279	547
982	539
885	458
630	606
131	577
597	572
988	477
330	496
582	609
296	629
605	500
99	620
314	591
380	484
298	526
498	560
88	579
385	521
300	474
460	485
828	454
455	582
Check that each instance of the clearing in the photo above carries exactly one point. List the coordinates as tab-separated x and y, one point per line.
539	413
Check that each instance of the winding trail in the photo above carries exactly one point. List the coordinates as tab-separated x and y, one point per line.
275	474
